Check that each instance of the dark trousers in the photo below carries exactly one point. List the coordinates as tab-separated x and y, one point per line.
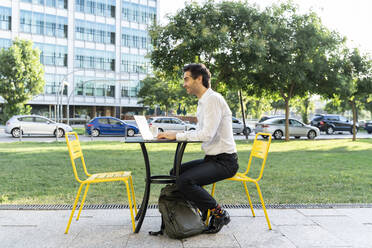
211	169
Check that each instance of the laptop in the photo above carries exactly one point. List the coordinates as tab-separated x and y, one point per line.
144	127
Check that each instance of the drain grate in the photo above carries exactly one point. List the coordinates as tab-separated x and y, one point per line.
154	206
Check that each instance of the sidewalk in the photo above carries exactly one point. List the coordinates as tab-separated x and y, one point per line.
348	227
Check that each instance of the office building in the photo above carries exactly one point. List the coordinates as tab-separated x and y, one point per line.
93	51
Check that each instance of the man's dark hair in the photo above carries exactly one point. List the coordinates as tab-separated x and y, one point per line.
197	70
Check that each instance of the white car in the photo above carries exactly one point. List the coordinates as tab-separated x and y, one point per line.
35	124
276	127
170	124
238	127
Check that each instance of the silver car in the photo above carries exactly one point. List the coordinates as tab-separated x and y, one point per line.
276	126
170	124
35	124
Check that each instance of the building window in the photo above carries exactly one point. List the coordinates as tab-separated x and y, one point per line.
52	54
133	63
133	12
43	24
5	18
89	86
5	43
104	8
130	89
95	32
135	38
94	59
62	4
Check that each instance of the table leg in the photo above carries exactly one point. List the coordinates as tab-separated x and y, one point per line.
178	158
142	211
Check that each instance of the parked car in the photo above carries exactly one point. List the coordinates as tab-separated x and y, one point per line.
368	127
276	127
266	117
109	126
238	127
332	123
170	124
35	124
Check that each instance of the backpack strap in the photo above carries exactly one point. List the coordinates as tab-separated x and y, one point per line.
161	229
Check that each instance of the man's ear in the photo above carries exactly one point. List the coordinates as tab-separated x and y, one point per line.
200	79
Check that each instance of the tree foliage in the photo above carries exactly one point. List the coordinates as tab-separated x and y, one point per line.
275	52
21	77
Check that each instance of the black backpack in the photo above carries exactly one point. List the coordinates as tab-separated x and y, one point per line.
180	218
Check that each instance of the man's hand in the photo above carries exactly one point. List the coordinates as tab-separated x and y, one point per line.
167	135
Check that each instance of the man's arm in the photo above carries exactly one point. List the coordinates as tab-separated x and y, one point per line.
167	135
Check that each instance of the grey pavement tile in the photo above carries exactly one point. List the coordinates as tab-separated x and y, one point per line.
221	239
311	236
361	215
346	229
254	232
144	240
288	217
320	212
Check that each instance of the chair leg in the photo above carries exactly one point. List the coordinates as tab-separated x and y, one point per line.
82	202
73	208
133	195
130	205
263	205
209	211
249	198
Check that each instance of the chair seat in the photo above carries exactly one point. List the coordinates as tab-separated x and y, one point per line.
110	176
241	177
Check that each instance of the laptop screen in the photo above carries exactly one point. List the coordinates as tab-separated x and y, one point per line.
143	127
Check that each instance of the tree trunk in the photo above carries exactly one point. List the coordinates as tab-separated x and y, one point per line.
243	115
354	118
286	119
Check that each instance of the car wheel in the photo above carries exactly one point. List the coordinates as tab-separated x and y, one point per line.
130	132
351	130
265	137
297	137
59	133
247	131
311	134
16	132
369	132
191	129
278	134
95	133
160	130
330	130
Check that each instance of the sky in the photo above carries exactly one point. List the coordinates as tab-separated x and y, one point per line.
350	18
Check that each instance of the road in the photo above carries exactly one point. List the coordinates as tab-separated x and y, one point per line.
6	138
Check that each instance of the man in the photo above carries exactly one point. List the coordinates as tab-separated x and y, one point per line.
214	129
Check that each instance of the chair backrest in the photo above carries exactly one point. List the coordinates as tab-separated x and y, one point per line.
75	152
260	149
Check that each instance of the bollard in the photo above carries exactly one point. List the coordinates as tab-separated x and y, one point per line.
91	133
20	133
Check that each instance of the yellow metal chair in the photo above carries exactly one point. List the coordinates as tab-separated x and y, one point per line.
75	152
260	149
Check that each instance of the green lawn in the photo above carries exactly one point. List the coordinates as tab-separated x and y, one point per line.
300	171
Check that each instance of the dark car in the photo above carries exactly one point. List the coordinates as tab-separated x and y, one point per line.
368	126
109	126
332	123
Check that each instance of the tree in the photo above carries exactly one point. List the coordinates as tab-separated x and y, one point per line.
21	77
304	106
157	92
354	77
276	52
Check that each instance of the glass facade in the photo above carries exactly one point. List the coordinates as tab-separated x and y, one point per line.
43	24
52	83
133	12
52	54
5	18
62	4
94	59
130	89
96	7
135	38
95	32
91	86
5	43
134	63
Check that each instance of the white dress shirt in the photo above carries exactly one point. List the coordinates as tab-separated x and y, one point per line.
214	125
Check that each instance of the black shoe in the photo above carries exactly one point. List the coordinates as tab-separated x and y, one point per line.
218	221
204	215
